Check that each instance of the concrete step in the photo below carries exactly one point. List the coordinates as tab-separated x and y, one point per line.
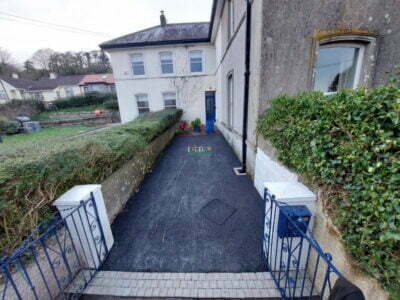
131	285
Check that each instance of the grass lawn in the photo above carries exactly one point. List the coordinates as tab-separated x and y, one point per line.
46	116
13	142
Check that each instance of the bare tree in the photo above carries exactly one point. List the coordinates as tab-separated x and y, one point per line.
7	63
42	58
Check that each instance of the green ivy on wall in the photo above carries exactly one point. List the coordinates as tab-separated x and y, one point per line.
350	142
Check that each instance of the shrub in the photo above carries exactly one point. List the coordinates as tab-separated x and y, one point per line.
32	178
111	104
15	108
8	127
196	123
350	142
92	98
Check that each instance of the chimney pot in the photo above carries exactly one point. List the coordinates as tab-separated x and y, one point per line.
163	19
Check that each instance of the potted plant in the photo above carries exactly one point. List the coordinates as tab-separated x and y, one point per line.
196	125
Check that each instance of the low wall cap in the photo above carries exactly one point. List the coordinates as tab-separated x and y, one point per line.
290	190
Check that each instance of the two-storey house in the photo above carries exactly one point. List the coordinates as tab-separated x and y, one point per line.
166	66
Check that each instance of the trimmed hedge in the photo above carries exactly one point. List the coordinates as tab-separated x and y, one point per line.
32	178
111	104
93	98
348	142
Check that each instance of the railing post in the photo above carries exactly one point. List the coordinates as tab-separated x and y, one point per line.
91	240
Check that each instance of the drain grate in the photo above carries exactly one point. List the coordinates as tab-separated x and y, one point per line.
217	211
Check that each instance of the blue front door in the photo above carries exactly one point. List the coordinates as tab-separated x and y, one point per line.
210	111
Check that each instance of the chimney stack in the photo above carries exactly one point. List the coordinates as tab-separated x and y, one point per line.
53	75
163	19
15	75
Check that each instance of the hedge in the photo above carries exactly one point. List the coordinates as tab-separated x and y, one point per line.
26	107
92	98
111	104
348	142
32	178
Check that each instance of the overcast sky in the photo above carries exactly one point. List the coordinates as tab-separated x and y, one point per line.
112	18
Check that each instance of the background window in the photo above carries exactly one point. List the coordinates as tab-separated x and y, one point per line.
196	61
167	65
338	67
169	100
142	103
69	92
137	64
37	96
231	18
230	101
3	95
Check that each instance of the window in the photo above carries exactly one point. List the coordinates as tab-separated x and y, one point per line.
69	92
338	67
196	61
231	19
142	103
37	96
169	100
167	65
3	95
230	99
137	64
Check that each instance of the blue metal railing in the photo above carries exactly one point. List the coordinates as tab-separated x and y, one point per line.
298	265
68	247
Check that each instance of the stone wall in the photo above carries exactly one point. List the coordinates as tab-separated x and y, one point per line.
119	187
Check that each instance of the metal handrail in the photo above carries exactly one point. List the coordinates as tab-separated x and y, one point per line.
286	260
68	245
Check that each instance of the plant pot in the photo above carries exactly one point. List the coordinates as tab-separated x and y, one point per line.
197	129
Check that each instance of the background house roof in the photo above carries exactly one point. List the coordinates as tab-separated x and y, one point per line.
97	78
163	35
17	83
43	84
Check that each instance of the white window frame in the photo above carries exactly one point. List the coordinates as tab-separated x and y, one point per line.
131	57
164	95
68	89
360	59
142	107
161	63
230	99
231	18
202	61
3	95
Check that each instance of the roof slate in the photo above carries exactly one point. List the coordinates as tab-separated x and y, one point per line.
43	84
162	35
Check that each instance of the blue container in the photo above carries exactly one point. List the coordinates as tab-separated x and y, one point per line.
299	214
210	126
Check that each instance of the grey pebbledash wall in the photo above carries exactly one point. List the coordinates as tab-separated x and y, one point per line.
291	31
122	184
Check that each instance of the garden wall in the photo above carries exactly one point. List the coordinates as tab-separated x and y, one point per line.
119	187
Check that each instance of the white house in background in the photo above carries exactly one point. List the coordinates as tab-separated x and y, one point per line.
101	83
54	87
166	66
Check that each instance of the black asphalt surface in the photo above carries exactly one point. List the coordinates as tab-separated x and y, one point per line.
191	214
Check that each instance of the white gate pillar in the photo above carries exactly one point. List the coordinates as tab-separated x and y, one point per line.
83	223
